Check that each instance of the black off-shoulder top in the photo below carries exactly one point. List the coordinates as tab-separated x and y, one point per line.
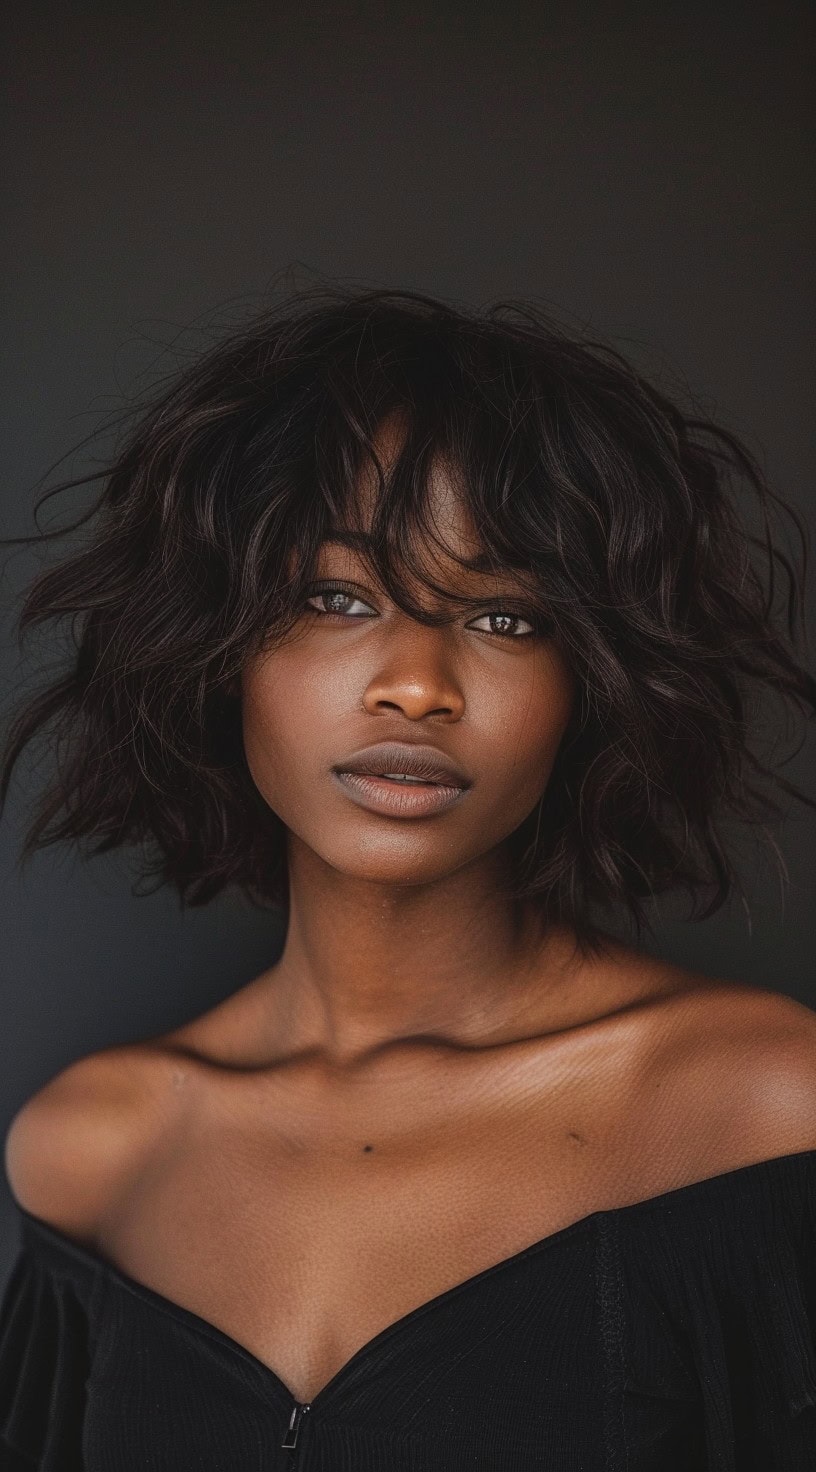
675	1334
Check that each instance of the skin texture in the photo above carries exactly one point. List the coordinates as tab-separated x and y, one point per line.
421	904
427	1081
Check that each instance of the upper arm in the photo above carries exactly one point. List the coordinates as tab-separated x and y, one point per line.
73	1145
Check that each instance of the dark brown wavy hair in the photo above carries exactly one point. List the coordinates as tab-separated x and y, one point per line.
617	508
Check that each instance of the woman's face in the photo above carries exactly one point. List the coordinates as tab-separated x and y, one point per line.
357	673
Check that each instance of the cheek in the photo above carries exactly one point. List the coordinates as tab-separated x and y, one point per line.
288	708
275	719
526	718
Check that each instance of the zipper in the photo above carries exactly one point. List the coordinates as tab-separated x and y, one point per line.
299	1410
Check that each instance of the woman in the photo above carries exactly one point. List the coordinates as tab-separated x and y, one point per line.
437	629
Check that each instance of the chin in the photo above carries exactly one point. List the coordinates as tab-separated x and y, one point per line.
386	864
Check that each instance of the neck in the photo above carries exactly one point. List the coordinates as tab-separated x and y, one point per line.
367	964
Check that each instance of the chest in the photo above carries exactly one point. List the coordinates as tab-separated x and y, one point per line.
521	1368
303	1244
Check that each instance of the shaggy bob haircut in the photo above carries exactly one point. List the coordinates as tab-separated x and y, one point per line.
614	506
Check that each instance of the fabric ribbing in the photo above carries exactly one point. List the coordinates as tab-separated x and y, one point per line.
610	1316
677	1334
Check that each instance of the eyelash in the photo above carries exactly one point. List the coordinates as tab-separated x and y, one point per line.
326	588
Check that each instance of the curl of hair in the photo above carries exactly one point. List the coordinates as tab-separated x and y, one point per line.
579	474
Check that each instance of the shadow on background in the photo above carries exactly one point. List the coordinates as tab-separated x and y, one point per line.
645	172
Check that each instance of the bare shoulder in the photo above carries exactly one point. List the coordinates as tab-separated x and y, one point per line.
75	1144
737	1065
776	1039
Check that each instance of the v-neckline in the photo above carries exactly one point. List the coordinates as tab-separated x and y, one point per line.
205	1326
160	1301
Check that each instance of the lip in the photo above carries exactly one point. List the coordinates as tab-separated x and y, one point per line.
398	800
426	762
364	779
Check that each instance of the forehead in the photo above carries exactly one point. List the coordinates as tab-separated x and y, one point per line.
451	534
347	549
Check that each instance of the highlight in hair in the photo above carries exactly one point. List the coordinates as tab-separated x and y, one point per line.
616	507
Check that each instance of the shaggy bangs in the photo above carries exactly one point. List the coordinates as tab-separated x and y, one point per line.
614	509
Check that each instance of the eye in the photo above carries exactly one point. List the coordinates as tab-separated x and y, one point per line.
344	602
505	624
340	601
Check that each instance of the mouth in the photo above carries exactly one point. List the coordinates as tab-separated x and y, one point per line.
398	796
402	781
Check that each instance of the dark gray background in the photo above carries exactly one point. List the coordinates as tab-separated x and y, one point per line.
644	168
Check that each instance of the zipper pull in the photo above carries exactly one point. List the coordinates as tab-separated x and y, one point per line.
299	1410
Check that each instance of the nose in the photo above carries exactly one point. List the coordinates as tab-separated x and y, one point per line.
415	676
